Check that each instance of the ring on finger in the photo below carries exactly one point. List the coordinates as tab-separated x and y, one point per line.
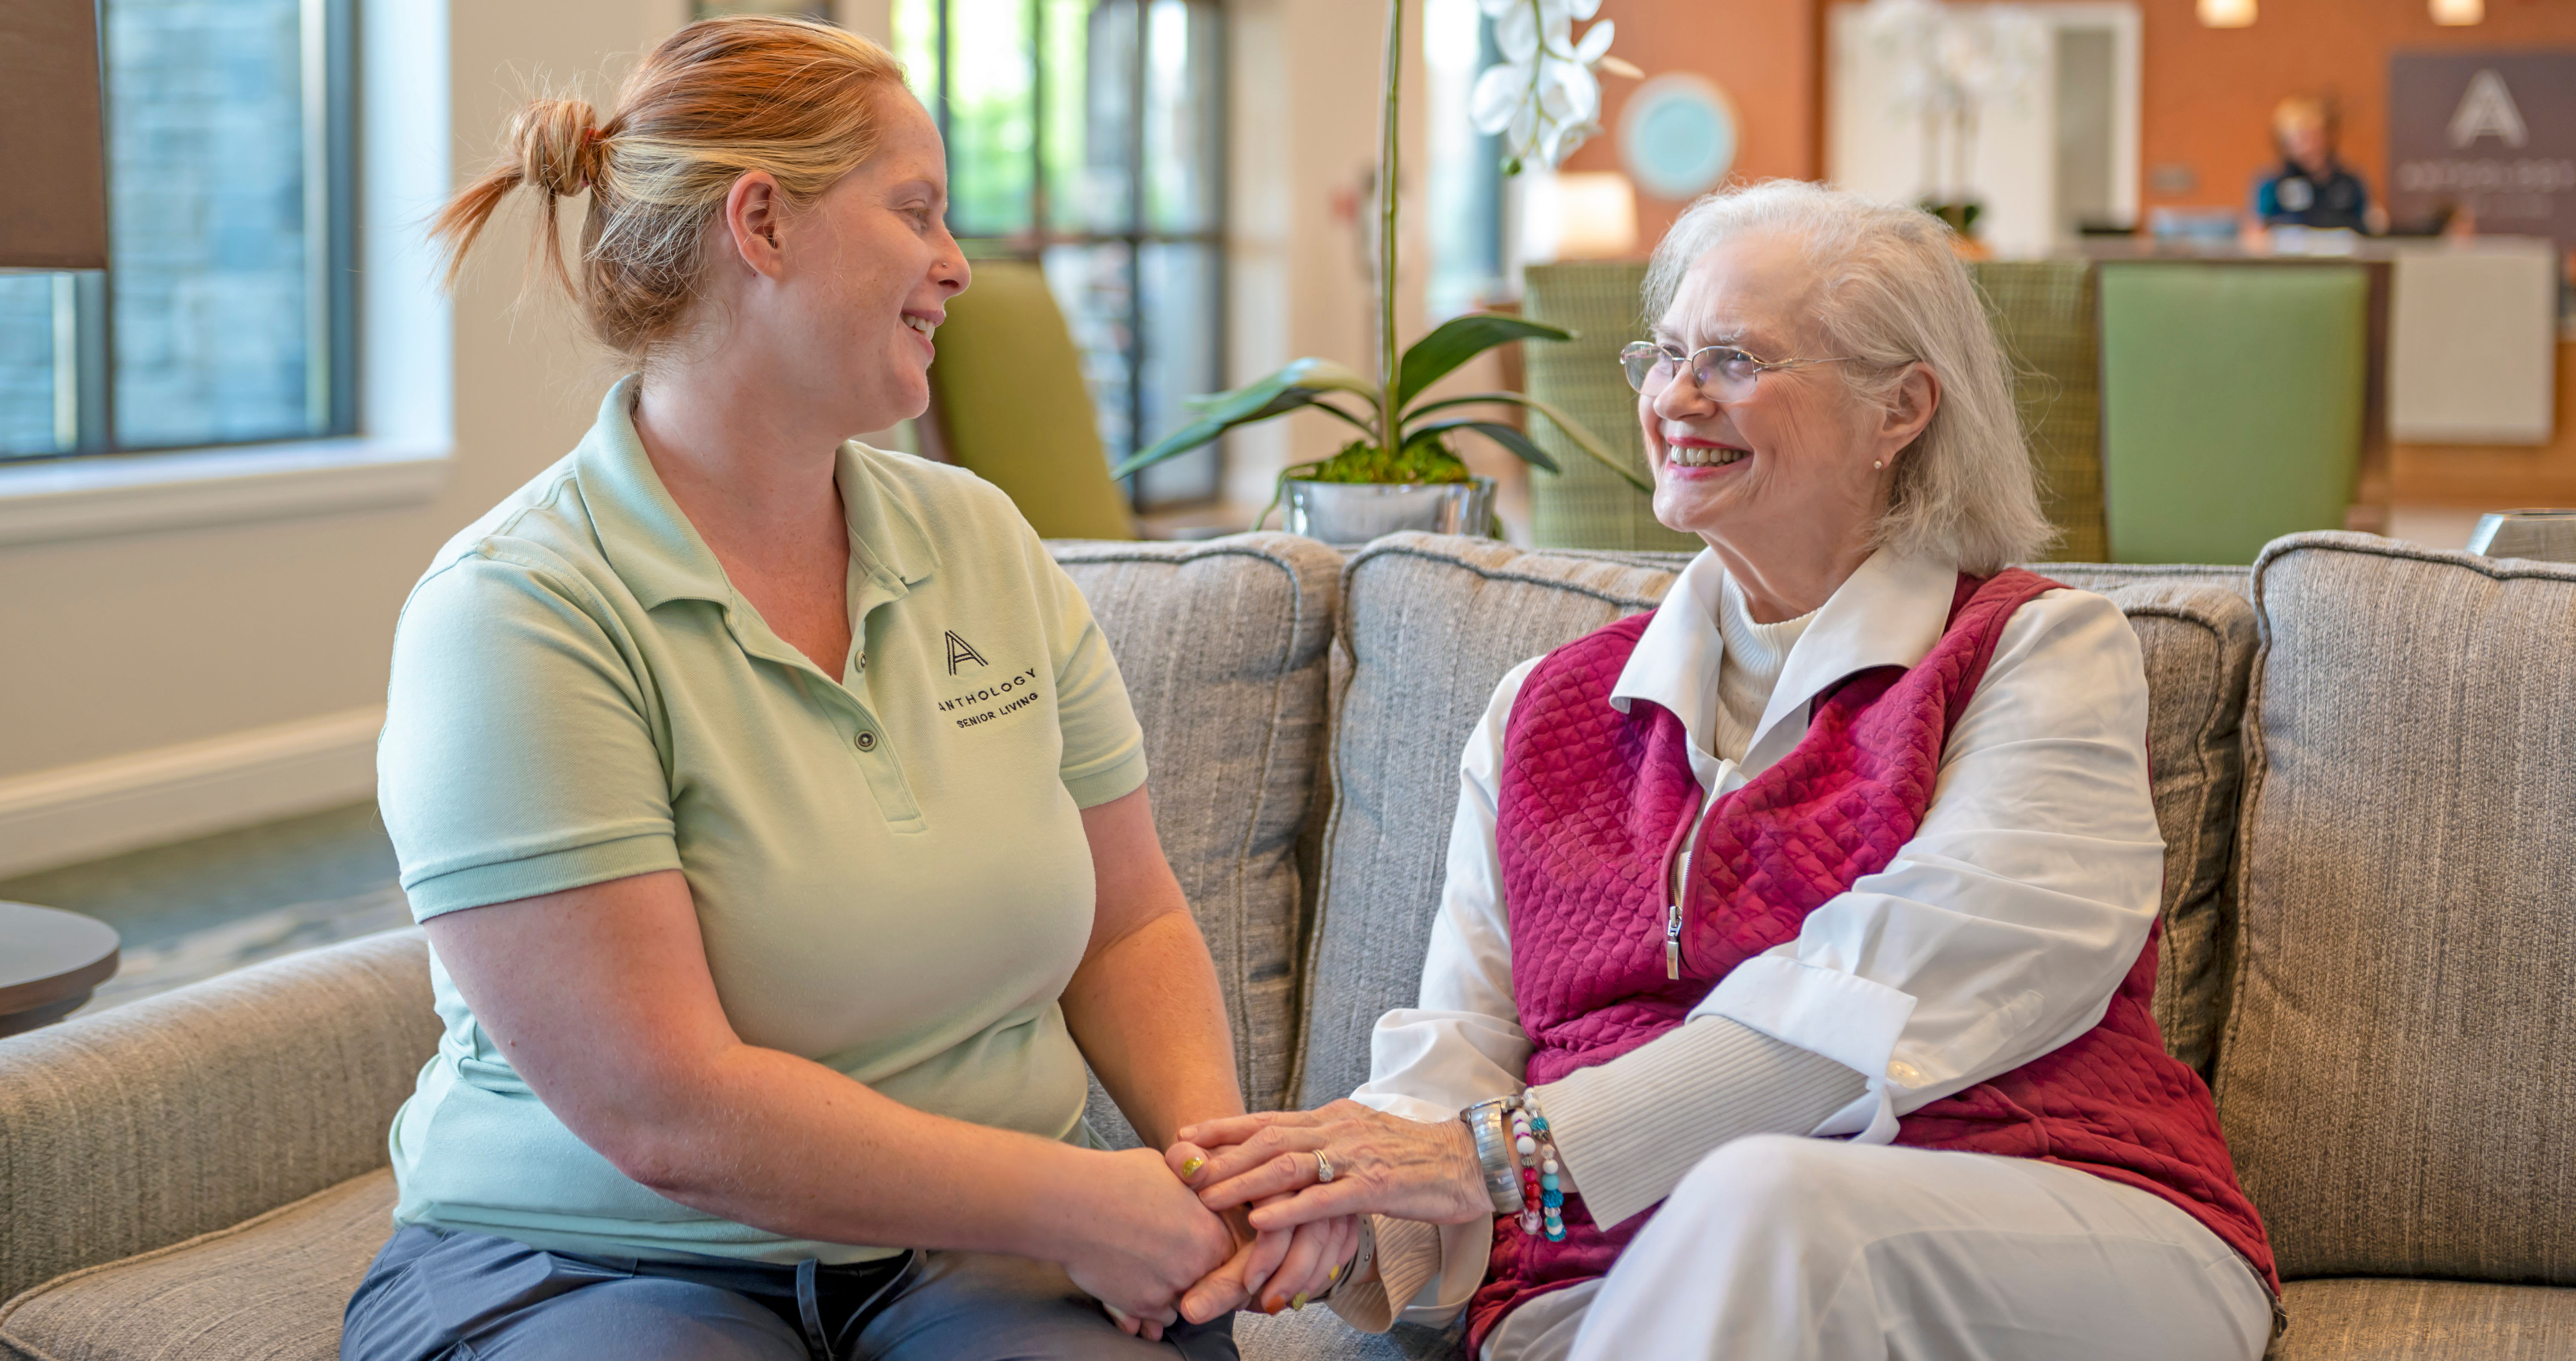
1323	1167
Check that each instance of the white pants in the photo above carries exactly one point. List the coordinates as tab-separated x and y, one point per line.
1780	1247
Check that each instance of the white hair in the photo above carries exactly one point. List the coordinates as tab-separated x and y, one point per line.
1891	293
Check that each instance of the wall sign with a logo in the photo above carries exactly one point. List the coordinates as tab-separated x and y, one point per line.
2492	132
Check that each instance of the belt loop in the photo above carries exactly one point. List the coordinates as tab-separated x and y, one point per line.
810	1309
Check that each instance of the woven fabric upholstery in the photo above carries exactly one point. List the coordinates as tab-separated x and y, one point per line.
1318	1334
2367	1319
271	1288
179	1114
2198	644
2042	312
1431	623
1587	505
1222	645
2396	1075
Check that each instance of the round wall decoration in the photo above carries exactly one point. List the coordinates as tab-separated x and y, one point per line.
1677	136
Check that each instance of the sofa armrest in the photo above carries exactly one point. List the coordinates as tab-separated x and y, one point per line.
168	1117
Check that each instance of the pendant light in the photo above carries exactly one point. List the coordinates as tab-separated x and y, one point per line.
2228	13
2459	13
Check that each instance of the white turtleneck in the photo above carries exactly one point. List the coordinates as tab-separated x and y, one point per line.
1748	669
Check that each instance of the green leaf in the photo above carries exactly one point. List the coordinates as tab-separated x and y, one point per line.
1458	340
1510	437
1583	439
1229	410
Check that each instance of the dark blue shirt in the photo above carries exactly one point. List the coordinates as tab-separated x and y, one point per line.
2292	196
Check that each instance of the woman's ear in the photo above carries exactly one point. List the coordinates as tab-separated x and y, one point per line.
752	212
1908	411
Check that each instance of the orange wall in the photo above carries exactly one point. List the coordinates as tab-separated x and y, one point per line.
1761	52
2209	92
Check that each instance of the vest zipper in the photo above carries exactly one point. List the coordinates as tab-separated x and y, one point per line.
1673	942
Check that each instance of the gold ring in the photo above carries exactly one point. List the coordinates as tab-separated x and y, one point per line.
1323	1167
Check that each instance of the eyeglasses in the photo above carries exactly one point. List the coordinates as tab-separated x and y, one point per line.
1723	373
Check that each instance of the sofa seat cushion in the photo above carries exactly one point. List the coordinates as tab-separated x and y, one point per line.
1222	645
270	1288
1431	623
2379	1319
2396	1076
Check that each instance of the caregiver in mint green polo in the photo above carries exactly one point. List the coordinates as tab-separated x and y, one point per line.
776	812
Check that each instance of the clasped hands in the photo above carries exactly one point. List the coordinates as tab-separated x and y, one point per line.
1269	1233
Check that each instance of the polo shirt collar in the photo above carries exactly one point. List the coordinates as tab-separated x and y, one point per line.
1889	612
654	549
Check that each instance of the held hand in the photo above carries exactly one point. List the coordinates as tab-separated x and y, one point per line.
1155	1242
1382	1164
1278	1270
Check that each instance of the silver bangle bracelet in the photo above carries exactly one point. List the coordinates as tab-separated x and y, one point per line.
1487	1121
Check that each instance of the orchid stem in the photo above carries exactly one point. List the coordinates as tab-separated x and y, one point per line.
1389	422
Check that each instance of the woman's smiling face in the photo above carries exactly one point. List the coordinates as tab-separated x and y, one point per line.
1794	455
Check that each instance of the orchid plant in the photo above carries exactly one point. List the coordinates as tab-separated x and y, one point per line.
1543	96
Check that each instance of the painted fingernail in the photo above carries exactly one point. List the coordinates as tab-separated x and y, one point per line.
1299	1302
1334	1275
1191	1168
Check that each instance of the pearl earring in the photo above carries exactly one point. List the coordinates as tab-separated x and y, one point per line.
1876	464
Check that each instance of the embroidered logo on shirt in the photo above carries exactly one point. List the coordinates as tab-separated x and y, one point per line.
959	650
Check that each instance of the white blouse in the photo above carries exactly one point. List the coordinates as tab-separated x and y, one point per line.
1997	934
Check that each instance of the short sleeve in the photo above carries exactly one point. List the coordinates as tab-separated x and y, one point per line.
517	759
1104	748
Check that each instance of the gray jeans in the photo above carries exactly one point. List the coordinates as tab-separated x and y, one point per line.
433	1295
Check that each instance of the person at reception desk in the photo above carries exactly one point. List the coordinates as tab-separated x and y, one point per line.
2311	188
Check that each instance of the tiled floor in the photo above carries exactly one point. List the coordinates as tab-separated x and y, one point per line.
195	909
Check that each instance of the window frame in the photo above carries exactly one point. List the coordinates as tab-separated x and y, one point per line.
328	48
1043	233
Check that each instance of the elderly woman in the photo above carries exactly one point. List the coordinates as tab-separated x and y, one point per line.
1789	992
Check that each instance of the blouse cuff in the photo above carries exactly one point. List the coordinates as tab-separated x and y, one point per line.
1408	1256
1847	1018
1630	1129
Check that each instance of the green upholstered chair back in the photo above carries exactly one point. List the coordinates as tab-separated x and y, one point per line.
2043	315
2231	404
1013	409
1587	506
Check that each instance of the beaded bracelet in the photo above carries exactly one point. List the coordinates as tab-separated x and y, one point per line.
1542	1190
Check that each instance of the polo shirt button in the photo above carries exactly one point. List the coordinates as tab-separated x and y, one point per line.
866	741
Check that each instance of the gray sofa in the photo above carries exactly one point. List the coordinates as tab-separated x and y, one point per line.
2363	770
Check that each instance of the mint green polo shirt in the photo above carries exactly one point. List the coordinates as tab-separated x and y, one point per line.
889	863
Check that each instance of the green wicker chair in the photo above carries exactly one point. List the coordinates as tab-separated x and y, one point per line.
1013	408
1587	506
2043	313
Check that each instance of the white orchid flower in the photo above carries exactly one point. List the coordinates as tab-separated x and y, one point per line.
1544	96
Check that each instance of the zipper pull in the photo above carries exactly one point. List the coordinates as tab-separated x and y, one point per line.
1673	941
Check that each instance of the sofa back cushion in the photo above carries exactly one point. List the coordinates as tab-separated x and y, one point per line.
2396	1076
1430	625
1222	645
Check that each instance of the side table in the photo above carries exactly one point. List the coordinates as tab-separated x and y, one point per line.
49	962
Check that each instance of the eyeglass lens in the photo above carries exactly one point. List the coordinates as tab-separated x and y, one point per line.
1721	373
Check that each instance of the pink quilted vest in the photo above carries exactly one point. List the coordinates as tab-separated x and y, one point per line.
1593	806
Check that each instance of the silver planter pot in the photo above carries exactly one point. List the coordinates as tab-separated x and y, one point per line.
1356	512
2548	535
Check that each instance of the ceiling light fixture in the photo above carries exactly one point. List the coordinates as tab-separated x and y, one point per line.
2459	13
2227	13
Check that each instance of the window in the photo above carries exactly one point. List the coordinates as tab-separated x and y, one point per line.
226	315
1088	135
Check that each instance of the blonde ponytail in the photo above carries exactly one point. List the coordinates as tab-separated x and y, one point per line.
720	98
